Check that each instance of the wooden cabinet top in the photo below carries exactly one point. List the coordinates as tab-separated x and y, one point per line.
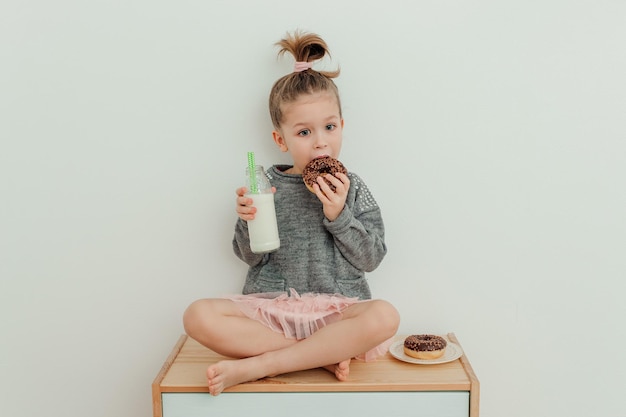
185	371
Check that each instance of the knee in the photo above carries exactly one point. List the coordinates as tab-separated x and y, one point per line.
388	318
193	317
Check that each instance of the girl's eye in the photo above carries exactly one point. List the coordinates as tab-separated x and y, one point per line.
330	127
304	132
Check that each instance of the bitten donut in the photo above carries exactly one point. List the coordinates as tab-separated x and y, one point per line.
320	167
425	346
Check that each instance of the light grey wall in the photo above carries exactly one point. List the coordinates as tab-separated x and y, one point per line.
491	133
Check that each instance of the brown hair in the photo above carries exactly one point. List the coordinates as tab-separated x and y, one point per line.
305	47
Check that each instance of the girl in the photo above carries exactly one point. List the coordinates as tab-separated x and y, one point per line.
328	240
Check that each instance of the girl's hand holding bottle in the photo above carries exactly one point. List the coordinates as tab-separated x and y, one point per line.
245	210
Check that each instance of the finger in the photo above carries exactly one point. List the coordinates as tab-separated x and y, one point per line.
321	182
247	217
327	193
338	188
317	189
335	181
344	178
244	201
241	191
246	213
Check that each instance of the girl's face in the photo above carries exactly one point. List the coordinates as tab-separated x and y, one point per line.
312	127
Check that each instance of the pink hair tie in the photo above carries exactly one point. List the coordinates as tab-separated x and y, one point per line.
302	66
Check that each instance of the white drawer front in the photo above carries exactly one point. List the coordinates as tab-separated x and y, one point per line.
316	404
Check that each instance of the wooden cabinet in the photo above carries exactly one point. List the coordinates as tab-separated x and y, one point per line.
384	388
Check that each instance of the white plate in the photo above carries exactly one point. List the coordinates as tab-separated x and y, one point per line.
453	352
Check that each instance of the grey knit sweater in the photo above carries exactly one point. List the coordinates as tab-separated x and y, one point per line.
316	255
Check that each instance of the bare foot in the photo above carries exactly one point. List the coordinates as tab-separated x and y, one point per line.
227	373
341	370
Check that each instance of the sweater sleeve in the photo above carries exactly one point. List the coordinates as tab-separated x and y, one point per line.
241	244
359	231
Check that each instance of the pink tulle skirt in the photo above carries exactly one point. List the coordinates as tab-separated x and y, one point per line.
299	316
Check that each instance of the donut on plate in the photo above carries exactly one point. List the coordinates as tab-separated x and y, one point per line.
425	346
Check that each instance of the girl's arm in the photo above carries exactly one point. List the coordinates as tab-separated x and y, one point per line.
241	244
359	231
360	240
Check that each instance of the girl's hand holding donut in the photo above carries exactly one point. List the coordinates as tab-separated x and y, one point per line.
328	179
332	201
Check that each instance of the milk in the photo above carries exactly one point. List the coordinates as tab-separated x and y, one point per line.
263	230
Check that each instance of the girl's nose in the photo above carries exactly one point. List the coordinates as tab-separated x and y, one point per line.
320	141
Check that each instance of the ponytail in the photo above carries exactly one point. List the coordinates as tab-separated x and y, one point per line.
306	48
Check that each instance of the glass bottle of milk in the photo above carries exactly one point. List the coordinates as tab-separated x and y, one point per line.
263	230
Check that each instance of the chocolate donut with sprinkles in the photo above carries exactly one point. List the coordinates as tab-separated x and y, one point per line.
425	346
319	167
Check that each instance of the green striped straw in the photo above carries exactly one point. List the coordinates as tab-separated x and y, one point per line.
254	188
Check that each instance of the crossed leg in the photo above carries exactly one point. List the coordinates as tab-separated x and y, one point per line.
219	325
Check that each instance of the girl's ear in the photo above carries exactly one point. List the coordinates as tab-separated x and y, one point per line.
280	141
